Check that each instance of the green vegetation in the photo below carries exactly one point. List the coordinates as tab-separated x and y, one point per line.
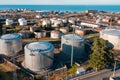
3	76
73	69
102	55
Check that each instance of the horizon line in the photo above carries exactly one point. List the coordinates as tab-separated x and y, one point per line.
62	4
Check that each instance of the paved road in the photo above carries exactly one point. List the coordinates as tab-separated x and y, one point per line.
97	75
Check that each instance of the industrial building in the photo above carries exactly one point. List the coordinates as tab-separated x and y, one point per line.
73	40
11	44
38	55
92	25
113	36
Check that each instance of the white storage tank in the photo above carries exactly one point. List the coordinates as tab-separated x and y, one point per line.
57	23
113	36
10	44
72	21
25	33
64	29
56	34
22	22
46	22
74	40
39	55
40	34
9	22
34	28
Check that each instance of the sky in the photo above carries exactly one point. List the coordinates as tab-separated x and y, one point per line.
61	2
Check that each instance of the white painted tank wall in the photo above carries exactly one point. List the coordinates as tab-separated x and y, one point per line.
113	39
22	21
37	60
9	22
56	34
10	47
40	34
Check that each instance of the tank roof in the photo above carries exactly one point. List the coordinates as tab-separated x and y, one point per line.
10	36
40	46
73	37
113	32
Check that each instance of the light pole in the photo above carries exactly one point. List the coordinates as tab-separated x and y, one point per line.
114	69
72	49
72	55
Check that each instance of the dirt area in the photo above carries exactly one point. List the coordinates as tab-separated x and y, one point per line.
5	72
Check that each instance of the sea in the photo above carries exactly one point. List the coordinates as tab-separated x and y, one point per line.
71	8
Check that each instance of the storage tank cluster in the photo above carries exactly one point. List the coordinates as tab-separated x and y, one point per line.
113	36
38	55
10	44
9	22
74	40
22	22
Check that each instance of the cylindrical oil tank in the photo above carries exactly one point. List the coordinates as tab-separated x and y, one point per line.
9	22
25	33
56	34
10	44
39	55
113	37
73	40
64	30
22	21
40	34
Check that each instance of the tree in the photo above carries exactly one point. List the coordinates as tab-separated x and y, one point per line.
102	55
